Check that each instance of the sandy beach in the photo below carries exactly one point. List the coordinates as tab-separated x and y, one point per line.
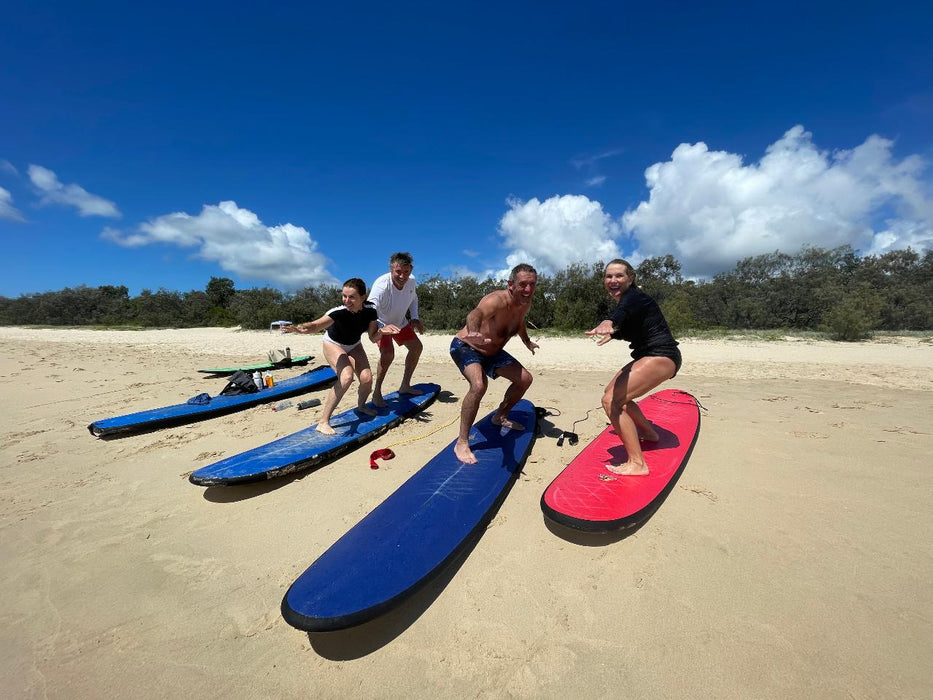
793	559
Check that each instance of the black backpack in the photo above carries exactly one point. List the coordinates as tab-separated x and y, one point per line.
240	383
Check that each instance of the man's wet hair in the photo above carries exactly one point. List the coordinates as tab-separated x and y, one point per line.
402	258
521	267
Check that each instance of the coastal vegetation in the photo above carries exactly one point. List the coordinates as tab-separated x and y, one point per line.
832	291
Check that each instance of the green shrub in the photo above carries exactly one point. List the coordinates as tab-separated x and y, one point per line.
855	316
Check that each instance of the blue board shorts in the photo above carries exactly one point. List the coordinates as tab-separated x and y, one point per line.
463	355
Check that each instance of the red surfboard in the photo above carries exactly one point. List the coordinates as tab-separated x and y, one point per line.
587	496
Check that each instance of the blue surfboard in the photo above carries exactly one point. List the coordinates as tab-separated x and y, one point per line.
214	406
308	447
409	538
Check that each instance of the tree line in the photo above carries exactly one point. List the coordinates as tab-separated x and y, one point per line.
832	290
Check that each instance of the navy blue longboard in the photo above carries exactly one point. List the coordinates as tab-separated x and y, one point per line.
308	447
408	539
217	405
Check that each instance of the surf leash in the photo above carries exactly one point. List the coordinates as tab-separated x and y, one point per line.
693	400
379	454
571	436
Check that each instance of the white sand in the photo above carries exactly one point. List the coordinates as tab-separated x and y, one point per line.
792	560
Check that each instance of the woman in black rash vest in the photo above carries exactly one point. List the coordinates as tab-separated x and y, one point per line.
343	328
637	319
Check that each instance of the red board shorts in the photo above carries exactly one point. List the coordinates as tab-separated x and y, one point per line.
400	338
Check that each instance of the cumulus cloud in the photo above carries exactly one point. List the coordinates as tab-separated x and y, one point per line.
559	231
709	209
7	210
54	192
237	240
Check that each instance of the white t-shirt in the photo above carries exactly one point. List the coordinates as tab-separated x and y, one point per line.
391	303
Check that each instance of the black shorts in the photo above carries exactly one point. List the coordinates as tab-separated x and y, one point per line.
671	352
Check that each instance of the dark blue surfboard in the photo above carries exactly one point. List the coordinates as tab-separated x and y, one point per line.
216	406
308	447
408	539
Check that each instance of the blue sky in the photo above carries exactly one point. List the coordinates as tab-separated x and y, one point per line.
286	144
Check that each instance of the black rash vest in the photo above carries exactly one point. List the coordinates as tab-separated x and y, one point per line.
348	327
637	318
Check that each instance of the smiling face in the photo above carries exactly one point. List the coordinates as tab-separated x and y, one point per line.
400	274
522	288
352	299
617	280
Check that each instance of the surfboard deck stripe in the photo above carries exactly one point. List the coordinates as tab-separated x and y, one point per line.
586	496
261	366
218	405
409	538
308	448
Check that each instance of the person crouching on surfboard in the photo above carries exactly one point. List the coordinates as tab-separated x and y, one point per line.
343	350
637	319
478	352
395	296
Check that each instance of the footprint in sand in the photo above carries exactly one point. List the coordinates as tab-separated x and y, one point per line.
700	491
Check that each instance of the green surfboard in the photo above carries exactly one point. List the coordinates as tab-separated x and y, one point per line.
299	361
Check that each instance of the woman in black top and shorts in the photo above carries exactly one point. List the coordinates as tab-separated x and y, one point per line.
343	348
637	319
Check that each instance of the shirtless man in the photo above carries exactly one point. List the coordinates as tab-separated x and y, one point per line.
478	351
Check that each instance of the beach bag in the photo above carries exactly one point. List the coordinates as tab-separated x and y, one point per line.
280	356
240	383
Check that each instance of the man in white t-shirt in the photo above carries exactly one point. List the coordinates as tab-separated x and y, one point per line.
395	299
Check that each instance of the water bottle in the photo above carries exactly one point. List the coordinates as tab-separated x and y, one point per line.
310	403
257	379
282	405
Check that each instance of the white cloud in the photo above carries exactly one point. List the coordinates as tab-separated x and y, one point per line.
7	210
54	192
7	167
237	240
589	165
709	209
559	231
460	271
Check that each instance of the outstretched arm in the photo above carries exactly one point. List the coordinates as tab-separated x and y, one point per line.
481	317
315	326
603	332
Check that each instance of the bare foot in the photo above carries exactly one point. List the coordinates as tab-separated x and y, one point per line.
649	436
506	423
379	401
366	410
408	391
325	429
464	453
629	469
